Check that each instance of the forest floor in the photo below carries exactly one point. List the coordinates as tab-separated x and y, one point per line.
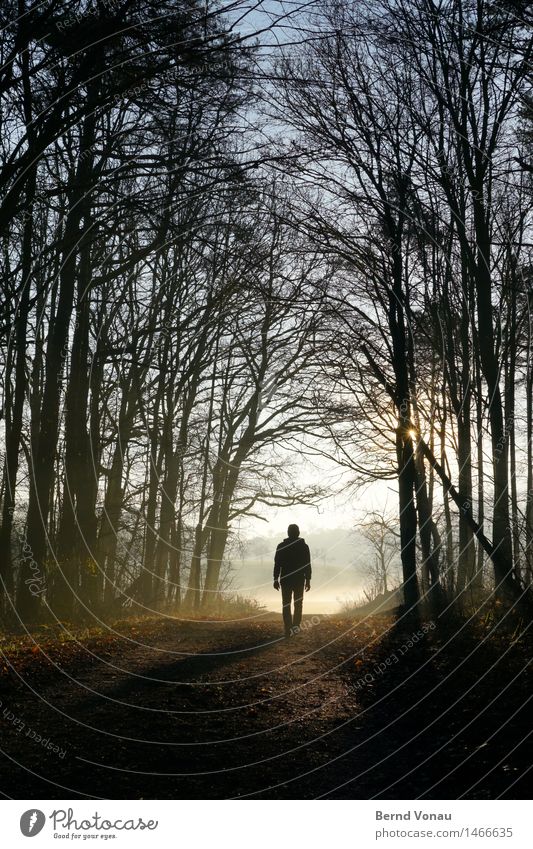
158	708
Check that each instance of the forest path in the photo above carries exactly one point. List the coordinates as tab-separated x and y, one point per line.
222	710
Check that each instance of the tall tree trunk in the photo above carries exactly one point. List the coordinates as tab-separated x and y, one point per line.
404	440
407	510
193	594
467	555
510	411
429	538
167	520
450	559
109	528
42	471
14	405
90	576
174	585
76	519
501	530
529	434
480	473
426	526
219	530
155	462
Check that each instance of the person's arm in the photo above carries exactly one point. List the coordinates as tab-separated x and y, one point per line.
277	568
308	566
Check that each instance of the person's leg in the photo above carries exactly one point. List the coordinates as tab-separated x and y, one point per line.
298	603
286	598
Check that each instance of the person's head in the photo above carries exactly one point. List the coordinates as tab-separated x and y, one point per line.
293	531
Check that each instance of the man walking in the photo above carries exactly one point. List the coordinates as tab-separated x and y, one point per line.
292	570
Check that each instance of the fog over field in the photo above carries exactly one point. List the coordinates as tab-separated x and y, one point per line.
338	558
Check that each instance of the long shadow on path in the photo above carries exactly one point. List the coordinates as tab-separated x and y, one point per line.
252	715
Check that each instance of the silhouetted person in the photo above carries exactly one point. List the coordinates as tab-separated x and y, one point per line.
292	570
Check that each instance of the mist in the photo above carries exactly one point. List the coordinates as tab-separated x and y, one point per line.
338	558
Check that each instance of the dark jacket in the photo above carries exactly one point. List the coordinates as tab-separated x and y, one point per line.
292	560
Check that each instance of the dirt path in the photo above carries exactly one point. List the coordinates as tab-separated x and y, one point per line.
225	710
